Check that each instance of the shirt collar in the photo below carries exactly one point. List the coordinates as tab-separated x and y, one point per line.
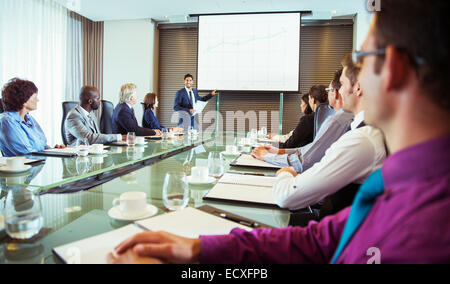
359	118
418	163
84	111
188	90
129	105
15	115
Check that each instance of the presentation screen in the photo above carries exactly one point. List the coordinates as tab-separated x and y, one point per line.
249	52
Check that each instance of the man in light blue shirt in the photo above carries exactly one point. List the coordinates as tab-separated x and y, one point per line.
303	158
20	134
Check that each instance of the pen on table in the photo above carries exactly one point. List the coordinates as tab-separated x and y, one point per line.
248	174
242	222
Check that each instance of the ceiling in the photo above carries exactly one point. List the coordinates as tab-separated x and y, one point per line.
178	10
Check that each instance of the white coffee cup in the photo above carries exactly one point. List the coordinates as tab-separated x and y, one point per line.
97	148
140	140
199	173
231	149
171	135
131	204
119	138
15	163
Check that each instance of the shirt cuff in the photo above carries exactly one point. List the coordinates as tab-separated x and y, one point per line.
277	160
284	175
294	162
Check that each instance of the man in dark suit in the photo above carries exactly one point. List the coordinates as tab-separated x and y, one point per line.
185	100
124	119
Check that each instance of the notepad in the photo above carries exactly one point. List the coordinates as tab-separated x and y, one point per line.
199	106
249	161
243	189
190	223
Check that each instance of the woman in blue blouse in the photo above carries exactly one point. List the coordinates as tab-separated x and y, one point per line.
150	119
20	134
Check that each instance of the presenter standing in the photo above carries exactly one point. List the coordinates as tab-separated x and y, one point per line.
185	100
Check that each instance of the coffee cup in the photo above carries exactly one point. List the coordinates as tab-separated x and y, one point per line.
119	138
140	140
97	148
15	163
231	149
199	173
131	204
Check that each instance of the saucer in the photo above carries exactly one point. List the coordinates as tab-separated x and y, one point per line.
6	169
209	180
117	215
231	154
99	154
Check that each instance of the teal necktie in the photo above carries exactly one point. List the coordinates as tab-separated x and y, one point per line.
364	201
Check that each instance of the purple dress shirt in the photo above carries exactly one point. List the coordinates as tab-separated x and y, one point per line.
409	223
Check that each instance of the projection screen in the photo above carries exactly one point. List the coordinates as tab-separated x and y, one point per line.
249	52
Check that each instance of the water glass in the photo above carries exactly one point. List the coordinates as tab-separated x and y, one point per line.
23	214
216	164
165	133
82	143
131	138
175	193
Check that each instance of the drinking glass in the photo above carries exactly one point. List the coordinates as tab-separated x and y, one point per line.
23	214
165	133
216	164
82	143
175	193
264	132
131	138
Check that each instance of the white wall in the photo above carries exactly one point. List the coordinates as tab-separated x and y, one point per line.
361	28
128	58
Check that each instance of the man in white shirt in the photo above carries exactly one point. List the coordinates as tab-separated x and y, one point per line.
350	160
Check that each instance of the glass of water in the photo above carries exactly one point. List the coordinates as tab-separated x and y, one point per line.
131	138
23	214
216	164
175	193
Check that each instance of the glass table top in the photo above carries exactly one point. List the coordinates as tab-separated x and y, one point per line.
57	171
75	216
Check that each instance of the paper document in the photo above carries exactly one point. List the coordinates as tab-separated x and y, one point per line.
254	180
189	222
249	161
199	106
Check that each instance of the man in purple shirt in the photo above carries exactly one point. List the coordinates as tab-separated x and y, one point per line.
404	74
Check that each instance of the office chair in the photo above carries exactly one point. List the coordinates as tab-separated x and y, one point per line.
143	116
67	107
323	111
106	118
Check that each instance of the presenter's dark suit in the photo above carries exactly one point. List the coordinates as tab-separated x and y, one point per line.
124	121
183	103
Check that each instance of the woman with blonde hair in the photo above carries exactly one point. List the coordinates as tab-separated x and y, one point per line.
124	120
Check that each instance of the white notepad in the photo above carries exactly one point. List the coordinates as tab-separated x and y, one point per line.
189	223
243	188
27	161
249	161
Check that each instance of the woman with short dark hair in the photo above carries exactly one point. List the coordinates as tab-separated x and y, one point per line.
304	132
150	120
20	134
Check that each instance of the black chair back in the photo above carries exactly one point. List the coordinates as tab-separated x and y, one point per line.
323	111
67	107
106	118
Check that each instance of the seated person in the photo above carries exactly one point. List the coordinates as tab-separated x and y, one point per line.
20	133
304	132
305	157
124	120
81	122
150	120
345	166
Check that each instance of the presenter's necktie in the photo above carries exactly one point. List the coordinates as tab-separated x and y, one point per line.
192	98
364	201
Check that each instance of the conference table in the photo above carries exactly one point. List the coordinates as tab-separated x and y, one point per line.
77	193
